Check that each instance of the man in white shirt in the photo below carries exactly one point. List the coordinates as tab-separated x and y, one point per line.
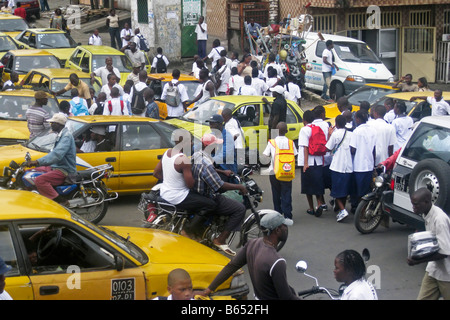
390	114
259	84
225	74
385	135
141	85
176	111
201	30
95	39
293	91
115	106
234	128
135	55
126	35
436	282
104	71
112	83
247	89
4	268
439	107
236	82
327	66
214	55
272	63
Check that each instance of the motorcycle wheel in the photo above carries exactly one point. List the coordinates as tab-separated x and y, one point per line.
366	220
252	231
95	213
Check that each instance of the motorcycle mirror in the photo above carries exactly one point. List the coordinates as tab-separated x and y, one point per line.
27	157
301	266
366	254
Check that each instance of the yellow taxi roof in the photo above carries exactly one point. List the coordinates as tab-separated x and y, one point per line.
60	72
101	50
30	52
22	93
45	30
16	205
4	16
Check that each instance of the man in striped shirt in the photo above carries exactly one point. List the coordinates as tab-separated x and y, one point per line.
37	116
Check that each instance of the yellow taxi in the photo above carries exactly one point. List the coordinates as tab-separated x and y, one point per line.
370	92
159	80
22	61
89	58
13	122
135	145
56	255
55	80
416	109
250	111
12	25
57	42
6	44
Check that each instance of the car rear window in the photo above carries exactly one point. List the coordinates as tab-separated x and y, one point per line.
13	107
428	142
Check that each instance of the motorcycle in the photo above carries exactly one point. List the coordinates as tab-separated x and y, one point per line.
369	213
159	214
86	193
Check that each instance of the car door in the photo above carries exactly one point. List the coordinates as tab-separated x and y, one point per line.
250	117
294	122
68	262
141	147
24	39
18	284
74	61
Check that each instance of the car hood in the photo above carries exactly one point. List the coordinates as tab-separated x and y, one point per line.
14	129
198	130
168	248
374	71
61	53
17	153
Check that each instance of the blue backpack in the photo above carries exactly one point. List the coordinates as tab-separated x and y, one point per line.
79	109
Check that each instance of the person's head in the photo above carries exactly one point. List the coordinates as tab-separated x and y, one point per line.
41	98
272	57
275	225
126	25
64	107
112	12
389	104
179	284
421	201
74	80
96	32
200	63
216	43
342	104
223	53
365	105
254	64
221	62
400	108
235	55
408	78
4	268
438	94
98	133
348	116
234	71
176	74
282	128
149	94
252	21
112	79
380	112
137	31
329	44
349	266
58	12
422	82
247	58
308	117
115	93
143	76
272	72
58	122
227	114
127	88
74	93
132	46
108	61
277	91
201	19
14	77
159	50
203	75
255	73
101	97
248	80
319	112
361	117
216	122
340	121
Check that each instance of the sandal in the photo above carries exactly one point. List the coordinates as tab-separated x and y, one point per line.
311	212
226	249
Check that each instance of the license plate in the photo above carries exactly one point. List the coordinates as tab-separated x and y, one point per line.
122	289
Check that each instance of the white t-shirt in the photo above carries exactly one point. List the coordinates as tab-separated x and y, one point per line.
200	34
236	82
247	90
260	86
5	296
176	111
103	73
234	129
303	142
342	158
403	130
329	55
274	65
360	290
215	55
385	137
283	143
155	60
292	92
125	33
438	108
95	40
390	116
224	78
117	109
107	90
364	141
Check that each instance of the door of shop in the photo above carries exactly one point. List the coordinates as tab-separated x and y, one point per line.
191	11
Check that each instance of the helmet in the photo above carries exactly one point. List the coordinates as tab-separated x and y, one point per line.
283	54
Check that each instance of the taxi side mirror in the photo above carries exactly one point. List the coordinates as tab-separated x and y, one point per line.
119	262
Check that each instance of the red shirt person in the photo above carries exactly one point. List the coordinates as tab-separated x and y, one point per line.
19	11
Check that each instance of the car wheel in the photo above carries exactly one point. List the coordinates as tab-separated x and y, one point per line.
433	174
336	90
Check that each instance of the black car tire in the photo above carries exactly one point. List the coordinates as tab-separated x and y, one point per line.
435	175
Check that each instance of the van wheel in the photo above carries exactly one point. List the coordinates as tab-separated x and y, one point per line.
336	90
433	174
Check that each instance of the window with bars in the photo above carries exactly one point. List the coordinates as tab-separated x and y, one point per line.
142	11
420	40
358	20
325	23
420	18
446	24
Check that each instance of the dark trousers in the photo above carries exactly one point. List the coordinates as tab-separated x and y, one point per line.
201	51
115	38
234	209
282	196
196	202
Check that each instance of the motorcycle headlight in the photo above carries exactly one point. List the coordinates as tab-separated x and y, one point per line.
379	181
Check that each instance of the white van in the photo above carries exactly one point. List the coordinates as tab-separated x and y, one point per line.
357	64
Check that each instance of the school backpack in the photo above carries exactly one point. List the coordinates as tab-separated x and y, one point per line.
143	43
138	104
173	98
317	141
99	109
79	109
110	107
161	66
284	162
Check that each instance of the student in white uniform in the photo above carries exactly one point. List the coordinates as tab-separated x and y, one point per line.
385	135
247	89
259	84
402	125
176	111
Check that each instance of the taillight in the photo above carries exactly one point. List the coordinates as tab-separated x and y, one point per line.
392	183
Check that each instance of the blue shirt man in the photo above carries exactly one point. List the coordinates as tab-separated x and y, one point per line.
253	27
225	156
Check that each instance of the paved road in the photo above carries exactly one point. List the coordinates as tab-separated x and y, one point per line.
318	241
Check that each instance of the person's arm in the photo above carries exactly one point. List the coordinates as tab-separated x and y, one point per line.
418	98
158	171
57	153
306	156
279	279
434	257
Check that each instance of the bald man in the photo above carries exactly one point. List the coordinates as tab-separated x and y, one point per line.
436	282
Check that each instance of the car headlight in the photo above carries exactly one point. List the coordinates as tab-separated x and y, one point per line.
391	79
238	280
354	78
379	181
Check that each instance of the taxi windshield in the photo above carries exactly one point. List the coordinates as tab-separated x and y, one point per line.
9	25
54	40
369	94
14	107
121	62
6	44
23	64
205	110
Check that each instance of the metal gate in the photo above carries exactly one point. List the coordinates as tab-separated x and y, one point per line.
443	62
191	11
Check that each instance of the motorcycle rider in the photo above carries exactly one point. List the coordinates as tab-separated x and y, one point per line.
266	267
57	164
208	183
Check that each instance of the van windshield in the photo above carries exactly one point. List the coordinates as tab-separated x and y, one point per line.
355	52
